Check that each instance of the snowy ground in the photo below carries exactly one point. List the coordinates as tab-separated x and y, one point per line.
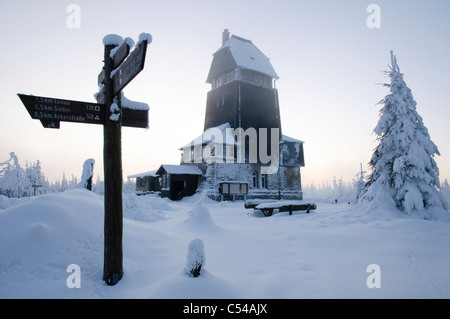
324	254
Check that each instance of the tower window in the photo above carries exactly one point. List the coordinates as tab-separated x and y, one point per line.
264	180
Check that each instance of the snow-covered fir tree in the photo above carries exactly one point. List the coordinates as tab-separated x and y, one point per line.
445	190
35	181
403	165
64	183
359	184
18	182
12	177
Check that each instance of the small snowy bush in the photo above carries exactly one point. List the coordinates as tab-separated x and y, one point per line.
195	258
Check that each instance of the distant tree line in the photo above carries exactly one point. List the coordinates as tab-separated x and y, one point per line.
17	182
348	191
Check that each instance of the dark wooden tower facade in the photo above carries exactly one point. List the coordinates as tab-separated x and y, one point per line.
243	91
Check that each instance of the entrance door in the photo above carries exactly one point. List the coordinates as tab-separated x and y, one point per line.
175	188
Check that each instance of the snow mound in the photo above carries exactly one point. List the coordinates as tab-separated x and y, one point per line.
379	200
4	202
158	203
142	208
200	219
41	237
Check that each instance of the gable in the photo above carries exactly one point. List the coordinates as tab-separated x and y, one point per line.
238	52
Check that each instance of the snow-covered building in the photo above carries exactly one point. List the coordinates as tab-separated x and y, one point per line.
242	152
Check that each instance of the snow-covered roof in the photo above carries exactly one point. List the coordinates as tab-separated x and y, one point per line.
285	138
180	169
171	169
238	52
145	174
206	137
248	56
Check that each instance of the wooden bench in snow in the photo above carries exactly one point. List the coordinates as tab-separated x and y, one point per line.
267	207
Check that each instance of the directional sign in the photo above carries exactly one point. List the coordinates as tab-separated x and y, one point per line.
53	110
50	124
130	68
120	55
134	118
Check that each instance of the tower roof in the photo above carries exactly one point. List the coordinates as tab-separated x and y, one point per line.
237	52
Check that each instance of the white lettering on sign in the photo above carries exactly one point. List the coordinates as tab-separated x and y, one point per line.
93	108
70	118
42	107
62	109
61	102
43	115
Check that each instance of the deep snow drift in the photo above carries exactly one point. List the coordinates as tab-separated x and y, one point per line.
324	254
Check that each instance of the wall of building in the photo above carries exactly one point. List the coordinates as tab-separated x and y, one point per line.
285	184
242	105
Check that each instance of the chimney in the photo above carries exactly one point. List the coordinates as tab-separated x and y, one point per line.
225	36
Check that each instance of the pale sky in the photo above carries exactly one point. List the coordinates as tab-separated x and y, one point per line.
329	61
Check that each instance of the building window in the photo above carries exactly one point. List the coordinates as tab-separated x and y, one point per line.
264	180
140	182
235	188
231	75
255	180
225	189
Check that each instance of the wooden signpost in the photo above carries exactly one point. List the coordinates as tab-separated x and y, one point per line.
117	72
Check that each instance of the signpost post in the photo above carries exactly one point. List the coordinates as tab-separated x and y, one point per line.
119	69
